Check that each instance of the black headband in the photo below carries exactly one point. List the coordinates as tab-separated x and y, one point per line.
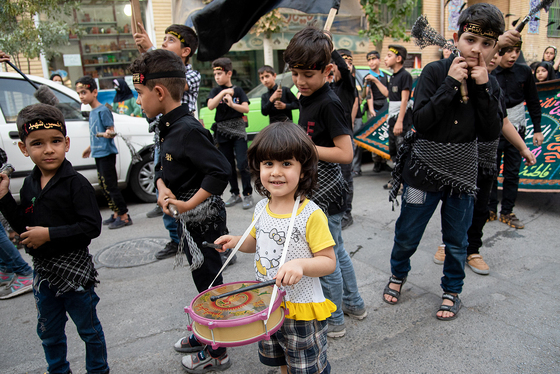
138	78
40	125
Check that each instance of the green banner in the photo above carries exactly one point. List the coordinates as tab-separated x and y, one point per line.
544	176
374	136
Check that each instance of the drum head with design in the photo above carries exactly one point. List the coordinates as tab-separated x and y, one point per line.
240	305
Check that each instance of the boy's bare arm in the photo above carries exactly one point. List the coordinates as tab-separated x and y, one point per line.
323	263
184	206
355	111
141	39
241	108
215	101
398	129
230	241
512	136
341	153
35	236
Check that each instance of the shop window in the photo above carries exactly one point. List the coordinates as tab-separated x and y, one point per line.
105	50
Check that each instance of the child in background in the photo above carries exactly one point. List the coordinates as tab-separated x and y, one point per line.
544	72
124	101
57	218
549	55
190	174
284	162
278	102
231	103
104	151
322	117
399	86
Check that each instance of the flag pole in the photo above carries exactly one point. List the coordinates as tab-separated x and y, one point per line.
330	19
136	16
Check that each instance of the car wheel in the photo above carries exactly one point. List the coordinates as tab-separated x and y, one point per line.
142	179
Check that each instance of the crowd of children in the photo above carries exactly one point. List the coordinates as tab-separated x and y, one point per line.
304	172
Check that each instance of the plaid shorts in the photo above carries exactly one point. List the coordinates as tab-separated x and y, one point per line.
302	345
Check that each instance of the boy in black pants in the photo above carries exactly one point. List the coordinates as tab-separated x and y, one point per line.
104	151
322	117
518	86
278	102
230	103
439	162
190	174
57	218
399	86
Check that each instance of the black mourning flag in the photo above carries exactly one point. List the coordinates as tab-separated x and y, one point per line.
224	22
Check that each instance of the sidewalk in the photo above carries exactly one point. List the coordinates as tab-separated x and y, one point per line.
508	323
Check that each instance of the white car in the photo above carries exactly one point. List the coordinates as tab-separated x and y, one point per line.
16	93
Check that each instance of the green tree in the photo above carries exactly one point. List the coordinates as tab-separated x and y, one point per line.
20	33
387	18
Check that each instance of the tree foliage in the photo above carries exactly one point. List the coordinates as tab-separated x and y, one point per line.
386	18
20	33
270	23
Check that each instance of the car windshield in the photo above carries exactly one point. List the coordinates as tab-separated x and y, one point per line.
16	94
285	79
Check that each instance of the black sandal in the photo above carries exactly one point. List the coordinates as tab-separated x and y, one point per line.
394	293
450	308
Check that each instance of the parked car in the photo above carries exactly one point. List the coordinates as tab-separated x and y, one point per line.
16	93
256	121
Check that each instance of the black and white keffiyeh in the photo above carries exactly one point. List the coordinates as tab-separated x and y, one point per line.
403	151
451	164
67	272
232	128
330	186
487	157
200	218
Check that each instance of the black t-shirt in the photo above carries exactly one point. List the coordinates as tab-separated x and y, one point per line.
223	111
345	87
379	100
277	115
399	82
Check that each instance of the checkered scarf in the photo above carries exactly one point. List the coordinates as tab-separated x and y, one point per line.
452	164
200	219
232	128
67	272
330	186
487	157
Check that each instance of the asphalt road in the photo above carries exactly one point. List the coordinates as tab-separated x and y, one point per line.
509	322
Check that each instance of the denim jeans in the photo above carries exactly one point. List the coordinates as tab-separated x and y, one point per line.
51	321
236	150
456	218
10	258
169	222
341	286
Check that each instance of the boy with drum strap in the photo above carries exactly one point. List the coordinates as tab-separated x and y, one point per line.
190	174
284	162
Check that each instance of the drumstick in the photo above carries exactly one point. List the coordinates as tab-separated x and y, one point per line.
234	292
212	245
7	169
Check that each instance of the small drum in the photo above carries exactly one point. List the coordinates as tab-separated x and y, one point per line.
235	320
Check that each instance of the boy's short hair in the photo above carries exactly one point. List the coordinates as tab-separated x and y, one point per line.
222	63
372	54
482	19
186	36
281	141
160	67
86	82
39	117
309	49
399	50
266	69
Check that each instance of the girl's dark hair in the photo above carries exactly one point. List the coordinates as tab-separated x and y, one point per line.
548	66
310	48
487	16
282	141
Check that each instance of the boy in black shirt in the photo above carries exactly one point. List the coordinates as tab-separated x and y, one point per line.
230	103
57	218
191	174
439	161
278	102
399	86
322	117
376	94
518	86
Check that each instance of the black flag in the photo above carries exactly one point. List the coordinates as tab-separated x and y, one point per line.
224	22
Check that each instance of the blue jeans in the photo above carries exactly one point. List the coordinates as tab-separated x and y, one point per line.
51	321
10	258
456	218
341	286
169	222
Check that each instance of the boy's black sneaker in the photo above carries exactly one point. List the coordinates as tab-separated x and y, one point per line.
169	250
